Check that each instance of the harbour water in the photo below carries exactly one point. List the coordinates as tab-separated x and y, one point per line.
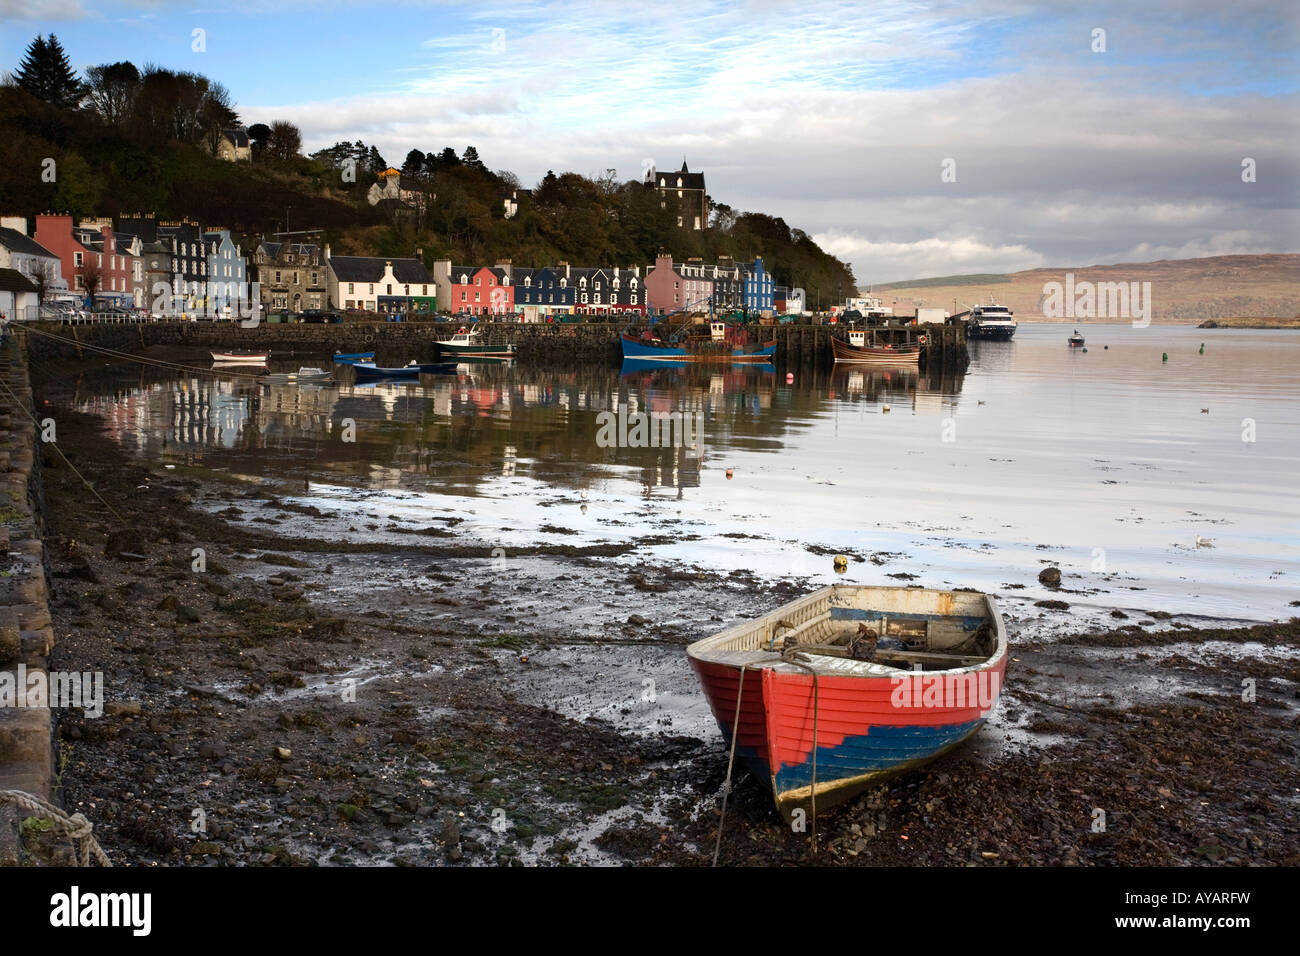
1153	483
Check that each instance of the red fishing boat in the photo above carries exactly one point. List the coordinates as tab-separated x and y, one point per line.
856	350
850	684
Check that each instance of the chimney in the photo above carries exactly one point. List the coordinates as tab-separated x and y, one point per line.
636	270
16	223
419	253
566	269
327	250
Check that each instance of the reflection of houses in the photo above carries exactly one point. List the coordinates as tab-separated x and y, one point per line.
379	284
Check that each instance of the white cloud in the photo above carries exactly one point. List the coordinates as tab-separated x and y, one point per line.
881	262
41	10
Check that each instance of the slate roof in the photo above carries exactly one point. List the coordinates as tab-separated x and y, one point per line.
371	269
238	137
15	241
298	248
11	280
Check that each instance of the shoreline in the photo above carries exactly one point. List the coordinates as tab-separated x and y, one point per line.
492	726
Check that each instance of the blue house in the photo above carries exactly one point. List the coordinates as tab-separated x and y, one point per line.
758	288
548	289
226	269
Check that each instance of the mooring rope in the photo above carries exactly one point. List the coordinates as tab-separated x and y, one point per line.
157	363
55	445
76	827
731	758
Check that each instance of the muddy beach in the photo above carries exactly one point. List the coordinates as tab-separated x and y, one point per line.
299	697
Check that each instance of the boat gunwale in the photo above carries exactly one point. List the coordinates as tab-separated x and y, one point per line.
700	650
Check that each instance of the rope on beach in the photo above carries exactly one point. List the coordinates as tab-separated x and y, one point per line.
155	363
731	759
74	827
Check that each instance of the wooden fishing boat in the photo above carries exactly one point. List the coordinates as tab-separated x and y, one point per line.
467	344
691	351
240	358
856	350
1075	341
347	358
824	694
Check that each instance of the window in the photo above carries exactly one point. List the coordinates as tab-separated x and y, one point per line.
424	290
406	290
477	298
315	280
99	259
351	289
295	278
76	259
584	298
634	298
463	295
372	288
389	288
478	280
277	278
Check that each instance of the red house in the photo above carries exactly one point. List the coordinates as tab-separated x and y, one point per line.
481	290
87	253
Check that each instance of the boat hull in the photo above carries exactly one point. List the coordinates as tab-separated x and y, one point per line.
644	352
995	333
868	728
867	355
462	352
240	358
348	358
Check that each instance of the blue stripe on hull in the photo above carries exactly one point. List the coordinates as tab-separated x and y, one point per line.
881	750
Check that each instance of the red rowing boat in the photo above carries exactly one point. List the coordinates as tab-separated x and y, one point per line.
824	695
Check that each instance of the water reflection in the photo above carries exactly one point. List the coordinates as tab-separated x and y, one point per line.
485	420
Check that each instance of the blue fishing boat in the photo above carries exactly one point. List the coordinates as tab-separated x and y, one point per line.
696	351
351	358
368	371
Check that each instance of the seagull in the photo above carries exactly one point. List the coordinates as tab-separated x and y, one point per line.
1203	542
884	409
979	403
1205	411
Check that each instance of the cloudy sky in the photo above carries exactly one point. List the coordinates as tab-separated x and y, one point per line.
1069	147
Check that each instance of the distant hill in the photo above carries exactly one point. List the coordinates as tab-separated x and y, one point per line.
1182	290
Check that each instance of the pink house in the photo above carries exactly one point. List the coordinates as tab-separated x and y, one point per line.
673	287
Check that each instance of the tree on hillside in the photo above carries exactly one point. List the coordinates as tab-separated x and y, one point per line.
375	162
470	158
283	143
414	162
111	90
46	74
77	189
258	134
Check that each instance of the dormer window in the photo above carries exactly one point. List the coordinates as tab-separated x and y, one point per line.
679	183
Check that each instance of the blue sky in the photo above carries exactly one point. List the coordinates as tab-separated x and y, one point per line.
834	115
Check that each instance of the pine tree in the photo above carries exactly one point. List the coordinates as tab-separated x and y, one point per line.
46	74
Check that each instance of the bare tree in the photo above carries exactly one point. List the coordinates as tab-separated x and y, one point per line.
91	278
